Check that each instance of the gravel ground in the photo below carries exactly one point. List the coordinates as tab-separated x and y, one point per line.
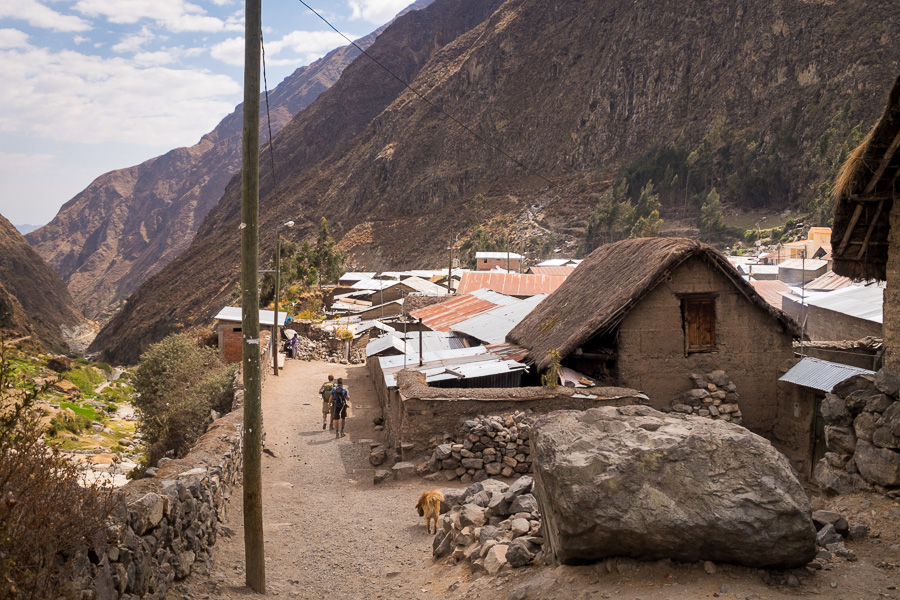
330	533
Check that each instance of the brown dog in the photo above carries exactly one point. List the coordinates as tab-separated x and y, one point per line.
429	506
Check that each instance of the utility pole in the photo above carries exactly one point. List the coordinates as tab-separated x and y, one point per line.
276	335
254	551
450	267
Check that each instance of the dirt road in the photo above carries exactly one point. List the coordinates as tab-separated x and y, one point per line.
330	533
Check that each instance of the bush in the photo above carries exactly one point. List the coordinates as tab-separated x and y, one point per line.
177	384
48	514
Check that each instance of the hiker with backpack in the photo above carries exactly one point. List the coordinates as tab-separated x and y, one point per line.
340	399
325	392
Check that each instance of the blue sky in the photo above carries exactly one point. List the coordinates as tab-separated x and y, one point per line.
89	86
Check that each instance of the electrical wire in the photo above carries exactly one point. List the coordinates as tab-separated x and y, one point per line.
471	131
268	117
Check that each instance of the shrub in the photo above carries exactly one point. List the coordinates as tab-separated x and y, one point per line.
177	384
48	513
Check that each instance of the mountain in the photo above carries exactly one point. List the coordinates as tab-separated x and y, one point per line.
558	99
130	223
34	300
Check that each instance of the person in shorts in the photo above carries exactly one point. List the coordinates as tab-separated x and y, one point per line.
340	398
325	392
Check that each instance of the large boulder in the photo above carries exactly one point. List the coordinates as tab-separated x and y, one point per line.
635	482
879	465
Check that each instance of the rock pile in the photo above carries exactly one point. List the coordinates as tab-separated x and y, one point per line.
666	486
483	447
491	525
714	396
328	351
862	433
831	531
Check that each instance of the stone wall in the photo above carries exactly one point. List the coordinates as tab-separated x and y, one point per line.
164	526
714	396
862	433
416	414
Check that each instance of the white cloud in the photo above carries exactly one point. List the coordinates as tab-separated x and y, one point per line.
134	41
13	38
376	11
73	97
222	2
38	15
156	59
177	16
230	52
305	42
80	39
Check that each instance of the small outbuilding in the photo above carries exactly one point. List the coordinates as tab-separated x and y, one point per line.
648	313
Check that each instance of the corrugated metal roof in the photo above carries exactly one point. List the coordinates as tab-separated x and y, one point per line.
503	255
563	271
372	284
863	302
820	374
385	342
771	290
511	284
420	285
810	264
750	269
828	282
449	364
442	316
492	326
508	351
559	262
233	314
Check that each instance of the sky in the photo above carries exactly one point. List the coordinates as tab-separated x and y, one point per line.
89	86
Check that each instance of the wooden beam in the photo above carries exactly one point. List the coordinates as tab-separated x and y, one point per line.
853	220
873	197
865	244
885	161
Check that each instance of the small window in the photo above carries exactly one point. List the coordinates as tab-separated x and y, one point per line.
699	315
484	260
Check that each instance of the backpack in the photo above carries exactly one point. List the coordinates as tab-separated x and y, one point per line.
339	398
326	391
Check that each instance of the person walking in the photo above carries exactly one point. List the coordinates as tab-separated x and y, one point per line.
295	346
340	398
325	392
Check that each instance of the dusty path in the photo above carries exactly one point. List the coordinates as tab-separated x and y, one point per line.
330	533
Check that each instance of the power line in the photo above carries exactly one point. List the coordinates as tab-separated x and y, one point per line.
268	117
474	133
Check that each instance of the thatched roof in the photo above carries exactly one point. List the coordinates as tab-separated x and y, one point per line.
864	195
608	284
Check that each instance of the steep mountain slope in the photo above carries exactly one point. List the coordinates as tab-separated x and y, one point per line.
33	299
571	89
130	223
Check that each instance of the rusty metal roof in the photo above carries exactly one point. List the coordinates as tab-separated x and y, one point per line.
558	271
829	281
771	290
511	284
442	316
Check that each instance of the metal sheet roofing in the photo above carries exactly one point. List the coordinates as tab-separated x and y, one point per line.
749	269
448	364
385	342
511	284
420	285
442	316
772	291
372	284
863	302
563	271
233	314
559	262
351	276
492	326
810	264
828	282
501	255
820	374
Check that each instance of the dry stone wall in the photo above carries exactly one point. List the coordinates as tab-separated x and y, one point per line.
862	434
483	447
713	396
165	526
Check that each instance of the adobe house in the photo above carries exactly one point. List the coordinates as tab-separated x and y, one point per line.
647	313
864	223
485	261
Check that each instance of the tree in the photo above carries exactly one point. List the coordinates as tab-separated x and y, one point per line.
328	262
711	218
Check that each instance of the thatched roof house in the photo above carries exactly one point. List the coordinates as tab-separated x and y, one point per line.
863	218
598	295
864	196
653	313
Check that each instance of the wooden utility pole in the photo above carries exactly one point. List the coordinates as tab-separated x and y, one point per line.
276	331
254	551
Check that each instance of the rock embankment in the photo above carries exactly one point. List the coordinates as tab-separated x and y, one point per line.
635	482
862	434
491	525
483	447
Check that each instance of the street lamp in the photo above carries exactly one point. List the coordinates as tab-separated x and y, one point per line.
276	335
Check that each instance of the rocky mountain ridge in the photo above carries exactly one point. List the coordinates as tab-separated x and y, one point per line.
572	90
34	300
